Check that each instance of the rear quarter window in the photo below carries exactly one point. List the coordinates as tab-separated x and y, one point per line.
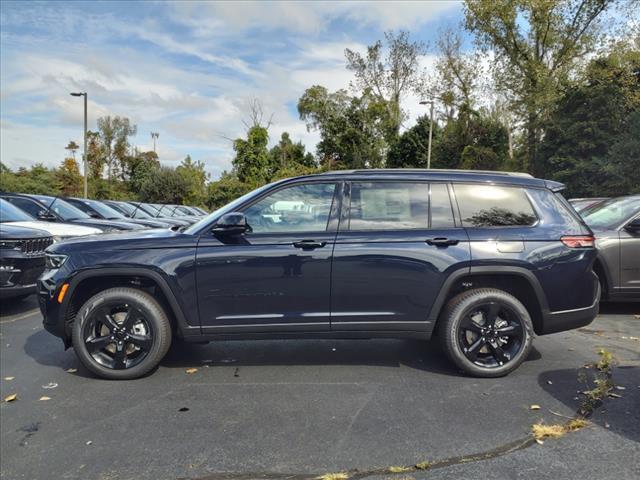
494	206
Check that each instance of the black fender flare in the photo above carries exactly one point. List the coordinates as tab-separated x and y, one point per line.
181	323
497	270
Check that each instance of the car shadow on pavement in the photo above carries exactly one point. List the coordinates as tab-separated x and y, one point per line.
617	414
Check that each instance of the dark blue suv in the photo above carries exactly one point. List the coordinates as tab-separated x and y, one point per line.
479	260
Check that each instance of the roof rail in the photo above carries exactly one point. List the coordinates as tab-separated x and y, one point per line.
428	170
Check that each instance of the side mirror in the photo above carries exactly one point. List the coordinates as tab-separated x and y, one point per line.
633	226
46	216
233	223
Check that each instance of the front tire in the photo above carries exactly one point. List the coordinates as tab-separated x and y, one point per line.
486	332
121	334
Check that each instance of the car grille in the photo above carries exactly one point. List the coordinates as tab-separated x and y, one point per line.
35	246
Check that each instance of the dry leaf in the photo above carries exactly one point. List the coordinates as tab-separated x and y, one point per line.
44	399
539	442
191	370
614	395
9	378
535	407
11	398
72	370
620	387
50	385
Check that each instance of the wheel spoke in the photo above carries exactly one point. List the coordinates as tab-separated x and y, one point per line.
131	318
98	343
472	351
499	354
492	314
120	357
144	342
106	319
469	324
509	331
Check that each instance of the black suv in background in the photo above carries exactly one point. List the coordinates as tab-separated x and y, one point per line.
480	260
98	209
21	260
55	209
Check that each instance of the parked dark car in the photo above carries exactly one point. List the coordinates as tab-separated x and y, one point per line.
134	212
482	260
151	211
98	209
21	260
616	225
55	209
170	211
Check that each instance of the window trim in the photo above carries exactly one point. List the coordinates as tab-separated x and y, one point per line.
331	226
526	195
345	217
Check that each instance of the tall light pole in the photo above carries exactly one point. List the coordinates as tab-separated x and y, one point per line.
430	102
154	135
84	152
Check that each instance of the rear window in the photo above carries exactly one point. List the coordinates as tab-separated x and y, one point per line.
494	206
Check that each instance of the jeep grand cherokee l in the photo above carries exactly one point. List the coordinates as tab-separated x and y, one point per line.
480	260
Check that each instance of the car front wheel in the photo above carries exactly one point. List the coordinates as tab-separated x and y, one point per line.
121	333
486	332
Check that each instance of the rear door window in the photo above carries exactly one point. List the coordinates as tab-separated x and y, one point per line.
494	206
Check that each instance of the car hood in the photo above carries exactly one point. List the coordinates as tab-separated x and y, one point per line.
18	232
141	239
59	229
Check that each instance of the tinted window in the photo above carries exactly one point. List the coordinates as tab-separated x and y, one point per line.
29	206
303	208
389	206
492	206
441	212
11	213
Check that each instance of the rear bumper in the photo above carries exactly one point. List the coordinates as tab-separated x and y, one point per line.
575	318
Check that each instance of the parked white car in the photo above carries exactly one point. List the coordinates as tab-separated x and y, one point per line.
11	214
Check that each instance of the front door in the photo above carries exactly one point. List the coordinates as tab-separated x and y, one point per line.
278	276
396	245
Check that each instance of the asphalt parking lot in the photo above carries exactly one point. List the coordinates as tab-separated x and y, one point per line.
303	409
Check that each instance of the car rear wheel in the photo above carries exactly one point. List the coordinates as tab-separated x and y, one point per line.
121	333
486	332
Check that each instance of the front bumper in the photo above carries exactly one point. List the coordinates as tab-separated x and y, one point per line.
575	318
53	313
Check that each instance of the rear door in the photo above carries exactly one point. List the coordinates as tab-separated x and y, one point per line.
396	244
629	262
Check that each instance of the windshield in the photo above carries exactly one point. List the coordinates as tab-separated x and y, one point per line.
64	210
11	213
612	213
150	209
104	210
229	207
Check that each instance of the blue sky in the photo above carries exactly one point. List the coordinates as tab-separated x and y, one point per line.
186	70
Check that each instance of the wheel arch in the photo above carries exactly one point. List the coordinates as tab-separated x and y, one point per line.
89	282
518	281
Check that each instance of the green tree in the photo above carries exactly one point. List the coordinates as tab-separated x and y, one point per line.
195	178
114	136
68	178
141	166
287	155
73	148
411	149
537	44
593	131
164	185
224	190
251	163
352	129
95	155
388	78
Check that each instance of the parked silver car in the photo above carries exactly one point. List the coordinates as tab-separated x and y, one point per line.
616	225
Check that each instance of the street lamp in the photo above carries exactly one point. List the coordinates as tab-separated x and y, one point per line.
429	102
84	152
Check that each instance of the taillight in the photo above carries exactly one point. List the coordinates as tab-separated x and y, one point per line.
579	241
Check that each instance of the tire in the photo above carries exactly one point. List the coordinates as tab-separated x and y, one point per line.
121	334
478	345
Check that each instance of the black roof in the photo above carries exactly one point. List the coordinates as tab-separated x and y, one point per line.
468	176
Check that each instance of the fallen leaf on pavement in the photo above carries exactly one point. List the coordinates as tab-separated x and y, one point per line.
535	407
44	399
72	370
9	378
620	387
89	442
50	385
11	398
191	370
614	395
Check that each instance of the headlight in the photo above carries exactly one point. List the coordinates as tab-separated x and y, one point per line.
53	262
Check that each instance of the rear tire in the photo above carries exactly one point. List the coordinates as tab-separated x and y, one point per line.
121	334
486	332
